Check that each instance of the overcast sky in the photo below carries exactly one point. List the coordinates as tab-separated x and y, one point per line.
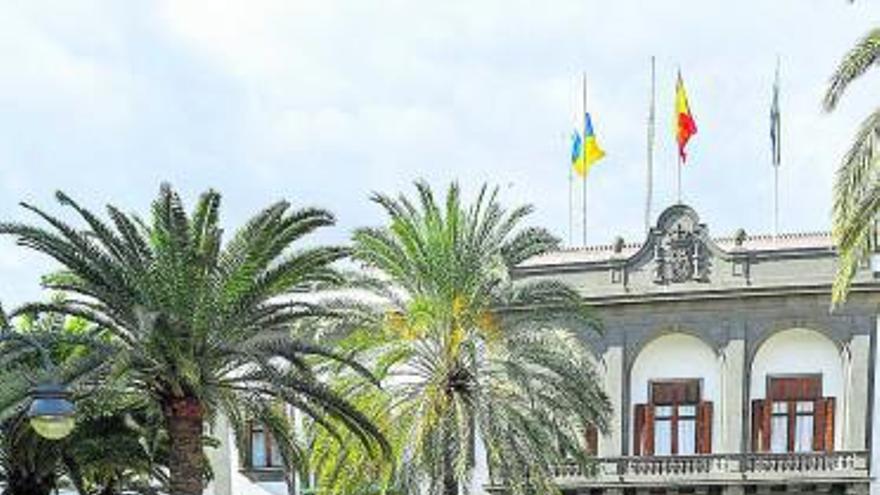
322	102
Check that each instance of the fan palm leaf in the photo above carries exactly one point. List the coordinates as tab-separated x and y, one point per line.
857	182
466	352
197	323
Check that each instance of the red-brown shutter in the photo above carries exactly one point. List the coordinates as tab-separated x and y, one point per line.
823	425
591	439
643	430
638	428
704	428
765	425
649	431
757	423
761	425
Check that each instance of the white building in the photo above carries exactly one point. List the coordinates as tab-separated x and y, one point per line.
725	367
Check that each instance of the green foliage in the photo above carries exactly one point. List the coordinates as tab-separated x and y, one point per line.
465	353
196	320
857	182
50	347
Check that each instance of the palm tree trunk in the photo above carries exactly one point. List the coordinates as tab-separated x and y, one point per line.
28	484
184	420
450	483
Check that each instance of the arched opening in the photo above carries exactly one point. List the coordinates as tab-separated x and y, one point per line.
796	391
675	382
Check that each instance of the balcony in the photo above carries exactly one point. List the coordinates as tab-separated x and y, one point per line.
719	469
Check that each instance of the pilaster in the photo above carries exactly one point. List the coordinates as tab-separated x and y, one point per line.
857	393
732	407
611	444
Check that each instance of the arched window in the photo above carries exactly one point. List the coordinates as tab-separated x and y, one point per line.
794	417
675	421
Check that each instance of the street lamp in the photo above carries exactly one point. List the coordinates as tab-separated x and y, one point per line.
51	412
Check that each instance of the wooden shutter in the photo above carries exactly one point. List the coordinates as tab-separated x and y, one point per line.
591	439
638	428
643	430
823	425
704	428
761	425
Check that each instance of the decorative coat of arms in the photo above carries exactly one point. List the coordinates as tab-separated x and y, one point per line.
679	254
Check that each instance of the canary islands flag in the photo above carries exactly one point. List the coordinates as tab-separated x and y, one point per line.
585	151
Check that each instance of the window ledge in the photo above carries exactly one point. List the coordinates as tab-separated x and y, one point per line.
263	474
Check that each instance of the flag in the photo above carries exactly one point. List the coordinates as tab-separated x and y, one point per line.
585	151
685	127
577	151
776	123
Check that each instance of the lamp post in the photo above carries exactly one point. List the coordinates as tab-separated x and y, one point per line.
51	412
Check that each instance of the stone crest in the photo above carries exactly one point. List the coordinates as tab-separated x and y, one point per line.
679	252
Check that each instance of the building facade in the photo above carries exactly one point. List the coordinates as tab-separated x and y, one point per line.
727	371
726	368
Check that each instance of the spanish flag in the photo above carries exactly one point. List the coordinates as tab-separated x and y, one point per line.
685	127
585	152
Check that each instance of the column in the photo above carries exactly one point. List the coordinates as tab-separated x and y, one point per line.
858	371
221	459
611	445
875	419
732	408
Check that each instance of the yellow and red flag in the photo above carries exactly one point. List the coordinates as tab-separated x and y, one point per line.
685	127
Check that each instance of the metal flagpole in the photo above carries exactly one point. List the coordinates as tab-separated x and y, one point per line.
570	201
679	179
650	189
678	171
777	155
775	202
584	118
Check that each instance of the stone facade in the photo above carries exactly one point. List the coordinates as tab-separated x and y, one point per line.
734	314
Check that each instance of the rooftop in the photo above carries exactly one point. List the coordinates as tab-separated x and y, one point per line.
757	243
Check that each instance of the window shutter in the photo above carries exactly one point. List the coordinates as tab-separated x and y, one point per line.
638	428
704	428
757	412
649	430
591	439
823	425
765	425
643	430
760	425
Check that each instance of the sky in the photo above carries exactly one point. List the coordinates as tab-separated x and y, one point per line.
324	102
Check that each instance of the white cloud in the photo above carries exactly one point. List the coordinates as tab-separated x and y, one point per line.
324	101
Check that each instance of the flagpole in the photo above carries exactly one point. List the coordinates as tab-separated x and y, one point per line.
583	118
776	153
775	202
650	165
570	203
678	188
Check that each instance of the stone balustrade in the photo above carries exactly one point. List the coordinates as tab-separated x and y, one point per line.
718	468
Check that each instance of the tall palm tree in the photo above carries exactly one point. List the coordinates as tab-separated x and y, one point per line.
467	353
857	184
200	326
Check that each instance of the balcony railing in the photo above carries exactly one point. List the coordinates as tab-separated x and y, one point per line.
720	468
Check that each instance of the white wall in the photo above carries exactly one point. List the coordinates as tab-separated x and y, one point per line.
678	355
797	351
224	462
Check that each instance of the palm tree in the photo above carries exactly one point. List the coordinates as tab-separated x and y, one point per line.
856	187
467	352
201	327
